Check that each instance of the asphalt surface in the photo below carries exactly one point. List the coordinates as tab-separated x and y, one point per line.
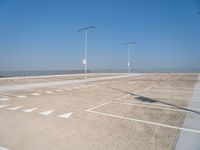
143	112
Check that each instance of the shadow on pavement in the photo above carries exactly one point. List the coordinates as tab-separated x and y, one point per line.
150	100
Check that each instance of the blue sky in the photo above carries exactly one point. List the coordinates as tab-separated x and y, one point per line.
42	34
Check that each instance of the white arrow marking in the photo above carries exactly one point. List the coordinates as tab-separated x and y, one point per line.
46	113
66	116
15	108
29	110
2	106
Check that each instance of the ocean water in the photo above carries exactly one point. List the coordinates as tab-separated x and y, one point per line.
37	73
61	72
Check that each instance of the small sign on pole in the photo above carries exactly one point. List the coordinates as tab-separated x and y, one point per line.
84	61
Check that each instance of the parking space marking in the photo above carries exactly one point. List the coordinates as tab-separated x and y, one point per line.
65	116
143	121
36	94
46	113
15	108
8	94
2	106
21	96
76	87
107	102
151	86
186	109
59	90
99	105
69	89
48	92
29	110
4	99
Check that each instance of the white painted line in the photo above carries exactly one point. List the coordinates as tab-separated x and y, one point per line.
15	108
66	116
48	92
29	110
69	89
76	87
2	106
4	99
98	106
122	97
36	94
154	107
157	85
3	148
144	103
145	122
46	113
21	96
8	94
107	102
59	90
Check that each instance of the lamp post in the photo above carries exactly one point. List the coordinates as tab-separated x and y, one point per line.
128	45
86	34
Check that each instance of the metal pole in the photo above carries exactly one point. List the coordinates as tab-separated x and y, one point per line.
85	54
85	59
128	58
128	63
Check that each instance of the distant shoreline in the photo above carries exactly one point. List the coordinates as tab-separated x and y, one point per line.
4	74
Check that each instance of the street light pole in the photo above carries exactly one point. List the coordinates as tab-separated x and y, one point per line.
86	40
128	45
85	54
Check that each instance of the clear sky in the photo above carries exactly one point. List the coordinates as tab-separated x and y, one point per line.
42	34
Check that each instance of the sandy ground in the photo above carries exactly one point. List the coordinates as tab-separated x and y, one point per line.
143	112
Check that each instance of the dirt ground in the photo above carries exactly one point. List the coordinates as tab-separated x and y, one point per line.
144	112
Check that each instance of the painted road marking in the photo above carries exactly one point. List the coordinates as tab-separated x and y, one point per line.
15	108
46	113
59	90
2	106
153	104
99	105
3	148
107	102
21	96
66	116
154	107
145	122
29	110
4	99
36	94
76	87
48	92
69	89
8	94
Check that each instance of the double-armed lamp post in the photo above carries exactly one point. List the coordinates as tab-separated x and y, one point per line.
85	59
128	45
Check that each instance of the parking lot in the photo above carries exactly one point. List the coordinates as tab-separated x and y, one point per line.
143	112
